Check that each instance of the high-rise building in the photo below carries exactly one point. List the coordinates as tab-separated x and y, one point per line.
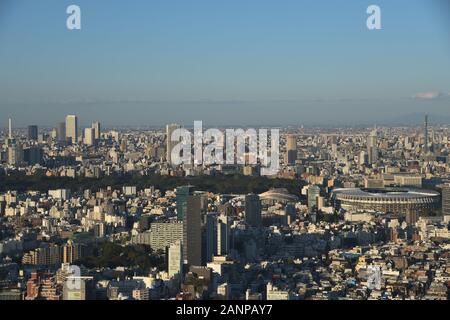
291	149
10	128
32	132
15	154
97	130
61	131
170	128
72	252
192	232
313	195
223	235
209	237
253	210
426	148
446	200
183	192
175	259
372	148
161	235
72	128
89	134
33	155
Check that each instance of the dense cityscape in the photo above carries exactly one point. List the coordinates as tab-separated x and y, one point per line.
88	213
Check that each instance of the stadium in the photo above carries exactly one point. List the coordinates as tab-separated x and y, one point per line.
392	200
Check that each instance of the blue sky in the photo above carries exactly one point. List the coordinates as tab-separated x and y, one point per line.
234	61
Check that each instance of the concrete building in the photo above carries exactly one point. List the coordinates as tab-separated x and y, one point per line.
89	136
175	259
72	128
253	210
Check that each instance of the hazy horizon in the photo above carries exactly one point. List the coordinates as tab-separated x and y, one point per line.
234	62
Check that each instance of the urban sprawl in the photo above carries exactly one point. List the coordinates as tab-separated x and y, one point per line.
104	214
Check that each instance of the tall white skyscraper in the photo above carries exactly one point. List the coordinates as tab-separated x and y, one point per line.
175	265
72	128
96	127
89	134
10	128
170	128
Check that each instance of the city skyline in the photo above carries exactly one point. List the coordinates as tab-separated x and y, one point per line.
235	152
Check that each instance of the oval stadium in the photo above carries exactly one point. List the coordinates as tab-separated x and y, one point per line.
388	200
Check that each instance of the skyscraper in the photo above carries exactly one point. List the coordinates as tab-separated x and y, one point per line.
170	128
313	194
426	148
61	131
89	134
253	210
72	128
223	235
192	232
209	237
15	154
10	128
183	192
175	259
32	132
33	155
372	148
291	149
446	200
97	131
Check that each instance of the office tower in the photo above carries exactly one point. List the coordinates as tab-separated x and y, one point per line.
15	154
33	155
72	128
97	132
372	149
10	128
89	134
223	235
183	193
446	200
61	132
426	148
175	259
32	132
253	210
313	195
291	149
209	237
192	232
170	128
